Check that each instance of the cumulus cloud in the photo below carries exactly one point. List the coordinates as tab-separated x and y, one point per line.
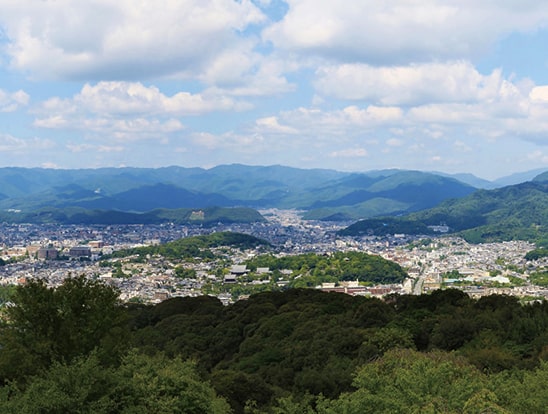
400	31
133	98
407	85
123	39
128	110
10	102
539	94
272	124
340	122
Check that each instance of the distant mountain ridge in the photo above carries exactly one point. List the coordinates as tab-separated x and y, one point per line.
325	194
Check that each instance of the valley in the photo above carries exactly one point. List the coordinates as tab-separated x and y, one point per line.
429	262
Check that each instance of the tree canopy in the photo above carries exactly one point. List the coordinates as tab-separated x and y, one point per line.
75	348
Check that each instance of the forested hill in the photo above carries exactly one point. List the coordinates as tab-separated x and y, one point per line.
76	215
76	349
509	213
196	246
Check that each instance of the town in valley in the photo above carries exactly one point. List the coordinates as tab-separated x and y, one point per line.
55	252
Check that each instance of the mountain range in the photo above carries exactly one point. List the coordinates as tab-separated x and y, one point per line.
323	193
174	193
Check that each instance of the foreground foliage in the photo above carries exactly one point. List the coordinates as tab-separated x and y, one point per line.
298	351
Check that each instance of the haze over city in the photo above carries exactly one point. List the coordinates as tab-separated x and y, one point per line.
452	86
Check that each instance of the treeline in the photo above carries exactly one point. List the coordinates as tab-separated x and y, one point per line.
77	349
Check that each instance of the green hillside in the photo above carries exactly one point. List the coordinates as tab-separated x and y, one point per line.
518	212
196	246
76	215
371	208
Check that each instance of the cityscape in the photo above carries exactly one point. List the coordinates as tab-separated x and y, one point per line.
54	252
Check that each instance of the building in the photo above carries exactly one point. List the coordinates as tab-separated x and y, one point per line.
47	253
80	251
238	270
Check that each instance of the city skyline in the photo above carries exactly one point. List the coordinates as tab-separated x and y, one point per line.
451	86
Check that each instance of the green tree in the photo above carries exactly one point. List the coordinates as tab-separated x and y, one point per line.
58	324
160	385
406	381
381	340
141	385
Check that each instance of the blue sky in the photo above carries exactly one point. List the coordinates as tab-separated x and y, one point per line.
452	86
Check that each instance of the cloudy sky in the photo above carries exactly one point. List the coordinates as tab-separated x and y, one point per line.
352	85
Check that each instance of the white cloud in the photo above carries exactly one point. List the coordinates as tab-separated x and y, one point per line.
401	31
539	94
123	39
105	128
241	71
10	102
407	85
271	124
340	122
53	122
128	110
133	98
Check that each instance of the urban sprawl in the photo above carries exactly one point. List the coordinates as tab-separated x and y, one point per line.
34	251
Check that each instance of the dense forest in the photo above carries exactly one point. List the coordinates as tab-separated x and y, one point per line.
76	348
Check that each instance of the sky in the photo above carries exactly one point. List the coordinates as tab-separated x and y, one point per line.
456	86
